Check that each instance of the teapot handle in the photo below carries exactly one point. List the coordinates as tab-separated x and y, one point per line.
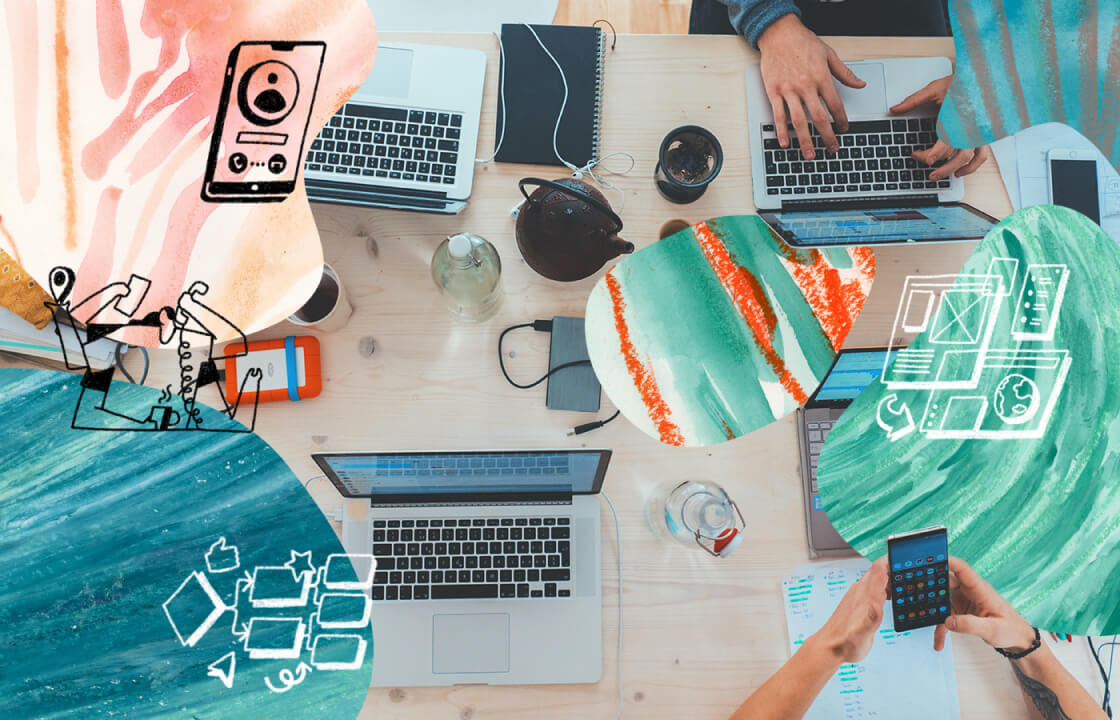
573	192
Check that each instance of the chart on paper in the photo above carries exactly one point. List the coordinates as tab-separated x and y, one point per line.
902	670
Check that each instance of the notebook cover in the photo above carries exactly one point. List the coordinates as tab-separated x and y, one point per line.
534	92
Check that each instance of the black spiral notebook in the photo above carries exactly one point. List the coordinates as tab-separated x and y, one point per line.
534	92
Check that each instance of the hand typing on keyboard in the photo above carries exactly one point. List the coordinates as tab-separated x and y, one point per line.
797	71
945	158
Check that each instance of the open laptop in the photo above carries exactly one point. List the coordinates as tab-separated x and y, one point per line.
406	139
851	372
488	563
871	192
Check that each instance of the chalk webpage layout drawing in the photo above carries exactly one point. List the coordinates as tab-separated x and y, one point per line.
981	383
901	671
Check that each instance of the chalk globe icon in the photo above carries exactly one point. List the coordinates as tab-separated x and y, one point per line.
1016	399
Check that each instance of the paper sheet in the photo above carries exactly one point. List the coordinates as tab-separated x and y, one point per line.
19	336
902	673
1022	164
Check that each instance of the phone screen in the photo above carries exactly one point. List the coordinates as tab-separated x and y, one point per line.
919	577
1073	184
257	146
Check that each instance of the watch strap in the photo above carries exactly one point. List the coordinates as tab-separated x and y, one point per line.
1021	654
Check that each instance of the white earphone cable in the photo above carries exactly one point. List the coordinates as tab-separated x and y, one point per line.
618	547
577	172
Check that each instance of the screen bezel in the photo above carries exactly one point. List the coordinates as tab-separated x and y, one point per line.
839	404
892	542
321	459
259	191
772	219
1069	158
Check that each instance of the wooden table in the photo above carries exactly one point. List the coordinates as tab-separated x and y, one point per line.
699	634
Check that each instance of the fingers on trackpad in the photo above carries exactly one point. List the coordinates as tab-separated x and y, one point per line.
868	100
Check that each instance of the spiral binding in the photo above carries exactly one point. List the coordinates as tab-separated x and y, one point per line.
597	113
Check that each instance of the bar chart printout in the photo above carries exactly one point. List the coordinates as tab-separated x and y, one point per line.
902	671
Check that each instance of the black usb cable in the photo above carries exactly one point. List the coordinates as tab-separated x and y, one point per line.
546	326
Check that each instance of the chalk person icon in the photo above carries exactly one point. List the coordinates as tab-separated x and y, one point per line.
189	327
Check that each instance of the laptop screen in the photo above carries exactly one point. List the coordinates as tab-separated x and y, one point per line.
456	476
879	226
850	374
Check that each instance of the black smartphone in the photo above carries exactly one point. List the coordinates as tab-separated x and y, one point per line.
1073	182
919	577
257	145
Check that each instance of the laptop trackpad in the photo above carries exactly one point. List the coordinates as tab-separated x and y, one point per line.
470	643
869	100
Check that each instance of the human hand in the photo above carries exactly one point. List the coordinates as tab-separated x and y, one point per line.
981	611
961	162
850	631
797	70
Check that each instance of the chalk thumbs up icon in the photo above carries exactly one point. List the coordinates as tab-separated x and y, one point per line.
222	558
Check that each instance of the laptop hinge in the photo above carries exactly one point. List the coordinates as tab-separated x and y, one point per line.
487	502
815	204
357	194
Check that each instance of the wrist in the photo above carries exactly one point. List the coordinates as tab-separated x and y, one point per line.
782	26
825	648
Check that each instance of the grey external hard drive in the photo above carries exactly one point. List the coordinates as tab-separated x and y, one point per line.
573	388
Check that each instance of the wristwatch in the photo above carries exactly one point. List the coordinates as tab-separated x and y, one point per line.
1016	655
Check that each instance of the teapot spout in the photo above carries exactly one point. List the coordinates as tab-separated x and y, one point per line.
617	246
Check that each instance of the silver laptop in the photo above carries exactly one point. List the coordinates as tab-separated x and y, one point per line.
488	563
871	191
851	372
406	139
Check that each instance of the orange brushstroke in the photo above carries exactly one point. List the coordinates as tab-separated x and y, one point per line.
836	304
62	120
642	375
749	297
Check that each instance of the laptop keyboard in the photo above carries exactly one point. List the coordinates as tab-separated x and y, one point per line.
874	156
818	431
389	142
455	558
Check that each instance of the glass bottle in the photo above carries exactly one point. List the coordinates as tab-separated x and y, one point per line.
468	272
695	512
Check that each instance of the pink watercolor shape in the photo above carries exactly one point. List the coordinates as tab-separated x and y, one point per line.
107	111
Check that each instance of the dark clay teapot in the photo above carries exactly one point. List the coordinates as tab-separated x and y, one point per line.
566	229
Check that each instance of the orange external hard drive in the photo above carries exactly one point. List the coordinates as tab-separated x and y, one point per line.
289	369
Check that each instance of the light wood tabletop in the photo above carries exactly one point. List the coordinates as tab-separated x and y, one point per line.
699	633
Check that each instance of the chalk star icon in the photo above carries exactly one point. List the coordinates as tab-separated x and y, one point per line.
300	563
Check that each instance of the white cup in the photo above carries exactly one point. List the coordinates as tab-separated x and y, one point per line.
328	308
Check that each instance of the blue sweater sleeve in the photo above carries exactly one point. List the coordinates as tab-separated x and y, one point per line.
751	17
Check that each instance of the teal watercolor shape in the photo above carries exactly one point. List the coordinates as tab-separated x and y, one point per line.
98	529
1039	518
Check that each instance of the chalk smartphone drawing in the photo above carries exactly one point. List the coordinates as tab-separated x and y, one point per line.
721	328
149	575
1000	419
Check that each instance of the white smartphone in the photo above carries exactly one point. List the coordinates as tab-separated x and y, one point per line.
1073	181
